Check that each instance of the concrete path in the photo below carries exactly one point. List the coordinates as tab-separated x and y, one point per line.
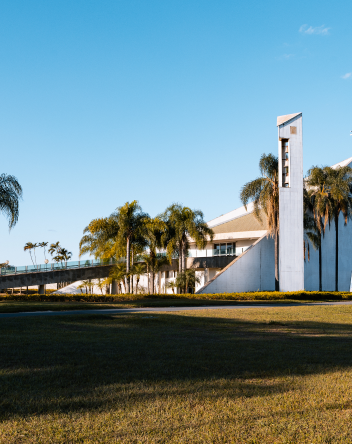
161	309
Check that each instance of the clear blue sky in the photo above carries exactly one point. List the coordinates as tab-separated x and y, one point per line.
103	102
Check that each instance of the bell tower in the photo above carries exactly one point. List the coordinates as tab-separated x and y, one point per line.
291	261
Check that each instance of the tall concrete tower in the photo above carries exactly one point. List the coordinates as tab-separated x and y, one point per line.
291	261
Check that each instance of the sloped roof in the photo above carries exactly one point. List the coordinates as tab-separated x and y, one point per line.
234	214
247	222
343	163
282	119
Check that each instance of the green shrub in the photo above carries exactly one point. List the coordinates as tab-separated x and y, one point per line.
250	296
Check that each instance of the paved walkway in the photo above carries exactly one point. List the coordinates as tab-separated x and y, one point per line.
161	309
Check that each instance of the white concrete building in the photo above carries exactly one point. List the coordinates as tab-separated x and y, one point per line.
241	256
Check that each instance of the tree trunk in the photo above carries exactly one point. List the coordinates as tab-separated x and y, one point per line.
180	264
148	280
152	278
131	277
337	253
320	276
184	259
277	287
127	281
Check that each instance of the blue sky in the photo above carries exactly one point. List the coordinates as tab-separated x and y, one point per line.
104	102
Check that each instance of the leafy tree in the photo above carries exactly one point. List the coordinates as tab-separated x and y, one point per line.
264	193
10	194
184	224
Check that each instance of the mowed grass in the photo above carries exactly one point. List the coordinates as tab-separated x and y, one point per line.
26	306
268	375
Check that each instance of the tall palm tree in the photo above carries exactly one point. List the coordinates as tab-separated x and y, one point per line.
184	224
138	270
118	273
187	279
153	231
131	220
29	247
264	193
316	202
10	194
43	245
336	199
100	238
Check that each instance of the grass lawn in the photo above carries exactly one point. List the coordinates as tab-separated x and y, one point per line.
23	306
271	375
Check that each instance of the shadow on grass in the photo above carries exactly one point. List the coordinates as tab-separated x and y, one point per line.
96	362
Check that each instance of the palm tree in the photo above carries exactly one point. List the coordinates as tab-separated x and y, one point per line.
153	232
264	193
336	198
54	248
43	245
172	285
316	202
187	279
138	270
182	225
131	220
10	194
100	238
100	284
28	247
119	273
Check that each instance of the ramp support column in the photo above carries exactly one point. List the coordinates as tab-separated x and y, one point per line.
114	287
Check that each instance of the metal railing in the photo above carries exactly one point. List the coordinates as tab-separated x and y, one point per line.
4	271
230	251
8	270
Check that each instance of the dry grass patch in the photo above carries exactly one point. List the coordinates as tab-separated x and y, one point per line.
271	375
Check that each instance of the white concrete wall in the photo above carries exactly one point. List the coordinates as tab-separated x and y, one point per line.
311	275
291	263
253	270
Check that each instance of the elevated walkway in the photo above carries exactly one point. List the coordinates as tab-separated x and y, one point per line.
27	276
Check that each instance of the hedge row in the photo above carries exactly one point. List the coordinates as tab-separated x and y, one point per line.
254	296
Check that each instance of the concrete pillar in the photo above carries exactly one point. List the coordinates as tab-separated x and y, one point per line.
41	289
114	287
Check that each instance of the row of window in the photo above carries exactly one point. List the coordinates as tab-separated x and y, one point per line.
228	248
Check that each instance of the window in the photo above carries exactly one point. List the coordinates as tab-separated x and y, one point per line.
167	273
228	248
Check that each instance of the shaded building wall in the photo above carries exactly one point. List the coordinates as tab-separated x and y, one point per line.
253	270
311	275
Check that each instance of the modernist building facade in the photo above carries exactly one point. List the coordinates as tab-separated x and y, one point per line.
244	242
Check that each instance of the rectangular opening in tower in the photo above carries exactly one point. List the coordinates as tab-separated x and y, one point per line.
285	156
